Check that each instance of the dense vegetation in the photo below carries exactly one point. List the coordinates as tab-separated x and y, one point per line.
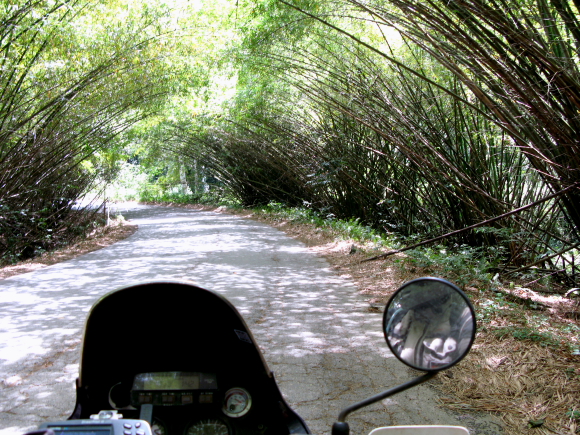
417	120
77	77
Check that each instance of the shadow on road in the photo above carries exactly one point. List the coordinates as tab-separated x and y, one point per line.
326	349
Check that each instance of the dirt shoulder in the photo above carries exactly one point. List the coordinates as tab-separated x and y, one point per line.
98	239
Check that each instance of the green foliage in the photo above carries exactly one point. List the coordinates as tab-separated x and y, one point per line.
213	198
350	229
26	233
364	123
464	265
75	76
574	415
544	339
307	102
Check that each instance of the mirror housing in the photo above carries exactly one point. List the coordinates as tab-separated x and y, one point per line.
429	324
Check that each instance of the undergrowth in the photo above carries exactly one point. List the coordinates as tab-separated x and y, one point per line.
26	233
349	229
213	197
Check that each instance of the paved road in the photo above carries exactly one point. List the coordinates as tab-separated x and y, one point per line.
325	348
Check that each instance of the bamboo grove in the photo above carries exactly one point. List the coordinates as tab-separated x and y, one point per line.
74	76
420	119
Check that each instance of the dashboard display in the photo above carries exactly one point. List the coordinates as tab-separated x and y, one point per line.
173	381
81	430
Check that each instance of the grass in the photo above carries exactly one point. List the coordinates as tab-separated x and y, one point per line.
350	229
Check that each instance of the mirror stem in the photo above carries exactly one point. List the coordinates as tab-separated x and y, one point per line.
416	381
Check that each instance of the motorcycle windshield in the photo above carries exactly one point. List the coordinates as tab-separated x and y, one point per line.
165	327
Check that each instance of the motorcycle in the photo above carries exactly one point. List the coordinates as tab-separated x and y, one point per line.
169	358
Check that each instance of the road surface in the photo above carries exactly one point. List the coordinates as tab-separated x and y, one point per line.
324	346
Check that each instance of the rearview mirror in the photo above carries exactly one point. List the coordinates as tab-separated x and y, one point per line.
429	324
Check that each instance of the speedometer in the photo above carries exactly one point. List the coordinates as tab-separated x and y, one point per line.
208	427
237	402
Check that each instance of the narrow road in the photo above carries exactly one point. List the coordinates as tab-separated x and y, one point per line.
325	348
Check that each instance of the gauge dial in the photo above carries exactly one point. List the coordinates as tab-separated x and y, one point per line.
158	428
120	396
237	402
207	427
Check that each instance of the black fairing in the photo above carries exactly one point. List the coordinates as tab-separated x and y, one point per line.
176	326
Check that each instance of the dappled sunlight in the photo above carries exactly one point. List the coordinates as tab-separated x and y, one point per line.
22	345
308	321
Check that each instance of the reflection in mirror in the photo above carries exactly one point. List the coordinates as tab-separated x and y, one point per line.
429	324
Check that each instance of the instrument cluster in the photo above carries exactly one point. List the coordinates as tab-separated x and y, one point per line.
186	403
